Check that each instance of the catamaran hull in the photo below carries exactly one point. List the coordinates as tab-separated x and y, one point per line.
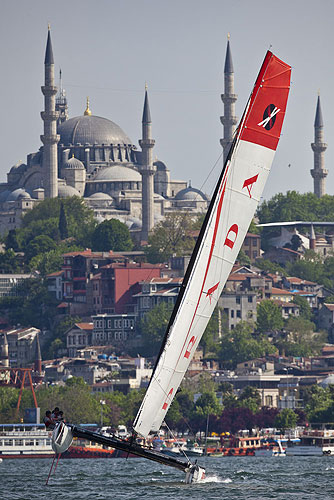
63	435
62	438
196	474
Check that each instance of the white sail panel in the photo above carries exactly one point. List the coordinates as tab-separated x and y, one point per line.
233	207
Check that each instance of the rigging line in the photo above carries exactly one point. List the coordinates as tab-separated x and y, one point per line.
174	437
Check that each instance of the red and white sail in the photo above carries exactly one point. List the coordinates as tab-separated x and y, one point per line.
231	210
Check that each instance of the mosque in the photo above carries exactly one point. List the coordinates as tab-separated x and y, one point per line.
92	157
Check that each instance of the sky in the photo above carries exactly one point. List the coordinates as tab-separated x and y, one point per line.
109	49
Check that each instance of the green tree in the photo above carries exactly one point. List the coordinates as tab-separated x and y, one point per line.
153	327
250	398
62	226
111	235
34	306
211	334
9	262
11	240
269	316
304	308
286	419
240	345
172	236
39	245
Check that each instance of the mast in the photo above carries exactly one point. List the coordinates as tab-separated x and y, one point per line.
236	196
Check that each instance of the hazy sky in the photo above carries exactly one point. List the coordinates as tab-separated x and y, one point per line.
108	49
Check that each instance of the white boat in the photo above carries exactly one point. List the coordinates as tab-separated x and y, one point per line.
313	443
25	441
226	223
271	451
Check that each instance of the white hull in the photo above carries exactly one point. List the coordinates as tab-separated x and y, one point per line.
309	451
269	453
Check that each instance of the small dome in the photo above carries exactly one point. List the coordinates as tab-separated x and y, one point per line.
24	195
134	223
191	194
100	196
74	163
327	381
67	191
117	173
18	193
90	129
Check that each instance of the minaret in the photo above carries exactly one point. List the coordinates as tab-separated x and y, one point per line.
50	138
38	357
4	359
312	239
61	103
319	173
229	120
147	171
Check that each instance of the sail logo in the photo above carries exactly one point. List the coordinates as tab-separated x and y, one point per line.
269	117
249	184
190	346
209	293
168	399
228	241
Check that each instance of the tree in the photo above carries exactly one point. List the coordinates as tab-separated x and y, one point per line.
235	419
211	334
170	237
240	345
62	226
250	398
111	235
34	305
286	419
269	316
9	262
305	310
39	245
11	240
152	328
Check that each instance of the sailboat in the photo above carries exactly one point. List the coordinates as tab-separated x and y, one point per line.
231	210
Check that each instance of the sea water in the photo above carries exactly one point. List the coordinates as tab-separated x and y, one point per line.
120	479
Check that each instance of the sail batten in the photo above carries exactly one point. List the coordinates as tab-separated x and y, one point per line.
226	223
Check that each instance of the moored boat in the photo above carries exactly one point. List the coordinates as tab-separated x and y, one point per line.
313	442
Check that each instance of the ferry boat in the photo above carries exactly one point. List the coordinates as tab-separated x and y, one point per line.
34	441
313	442
25	441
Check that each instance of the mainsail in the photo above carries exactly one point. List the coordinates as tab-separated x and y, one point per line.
232	207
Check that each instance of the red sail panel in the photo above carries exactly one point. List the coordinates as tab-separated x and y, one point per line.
264	118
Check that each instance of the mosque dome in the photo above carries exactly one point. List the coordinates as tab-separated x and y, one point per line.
117	173
191	194
100	196
74	163
67	191
90	129
18	193
327	381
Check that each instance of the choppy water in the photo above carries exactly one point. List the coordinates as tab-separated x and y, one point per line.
227	478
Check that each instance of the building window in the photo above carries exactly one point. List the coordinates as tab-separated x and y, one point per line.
238	314
237	299
250	299
232	313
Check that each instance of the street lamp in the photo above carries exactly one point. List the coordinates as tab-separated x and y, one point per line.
102	402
